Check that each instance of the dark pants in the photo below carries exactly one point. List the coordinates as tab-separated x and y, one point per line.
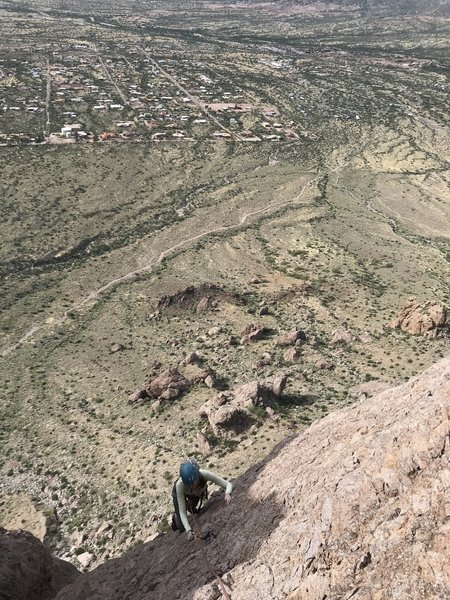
191	505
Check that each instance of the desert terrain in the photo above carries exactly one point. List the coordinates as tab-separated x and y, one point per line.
205	178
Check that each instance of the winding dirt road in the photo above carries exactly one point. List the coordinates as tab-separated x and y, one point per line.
154	261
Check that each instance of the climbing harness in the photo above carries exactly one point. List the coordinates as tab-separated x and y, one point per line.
206	537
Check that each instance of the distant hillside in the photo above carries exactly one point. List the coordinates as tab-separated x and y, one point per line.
356	507
433	7
420	6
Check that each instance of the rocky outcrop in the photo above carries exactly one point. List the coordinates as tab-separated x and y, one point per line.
116	347
230	413
323	363
341	337
420	319
139	394
27	570
227	420
199	298
192	359
168	385
203	305
171	383
355	507
253	333
255	393
204	444
291	337
292	355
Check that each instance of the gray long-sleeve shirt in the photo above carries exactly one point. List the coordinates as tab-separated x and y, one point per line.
181	493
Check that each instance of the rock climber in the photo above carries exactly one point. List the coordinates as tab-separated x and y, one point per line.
189	492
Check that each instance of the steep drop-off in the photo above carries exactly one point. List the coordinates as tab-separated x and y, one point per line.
356	507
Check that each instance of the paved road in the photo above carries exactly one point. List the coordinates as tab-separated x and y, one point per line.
110	78
193	99
47	100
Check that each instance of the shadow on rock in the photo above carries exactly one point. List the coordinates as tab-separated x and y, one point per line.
171	567
287	400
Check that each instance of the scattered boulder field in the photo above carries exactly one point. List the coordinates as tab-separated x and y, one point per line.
357	506
229	413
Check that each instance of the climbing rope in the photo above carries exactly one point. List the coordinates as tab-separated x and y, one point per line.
206	537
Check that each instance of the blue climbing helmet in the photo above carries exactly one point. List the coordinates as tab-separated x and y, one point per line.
189	472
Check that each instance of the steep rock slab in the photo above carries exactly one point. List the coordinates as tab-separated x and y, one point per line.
356	507
367	501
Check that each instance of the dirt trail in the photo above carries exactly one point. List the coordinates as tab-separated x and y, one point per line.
395	215
154	261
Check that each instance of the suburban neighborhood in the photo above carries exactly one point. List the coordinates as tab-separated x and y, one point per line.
83	93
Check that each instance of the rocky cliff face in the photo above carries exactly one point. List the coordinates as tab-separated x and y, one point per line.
357	507
27	571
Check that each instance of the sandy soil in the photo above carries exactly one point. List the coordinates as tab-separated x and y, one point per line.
18	512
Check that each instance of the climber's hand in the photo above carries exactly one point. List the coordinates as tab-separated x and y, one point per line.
228	498
190	535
